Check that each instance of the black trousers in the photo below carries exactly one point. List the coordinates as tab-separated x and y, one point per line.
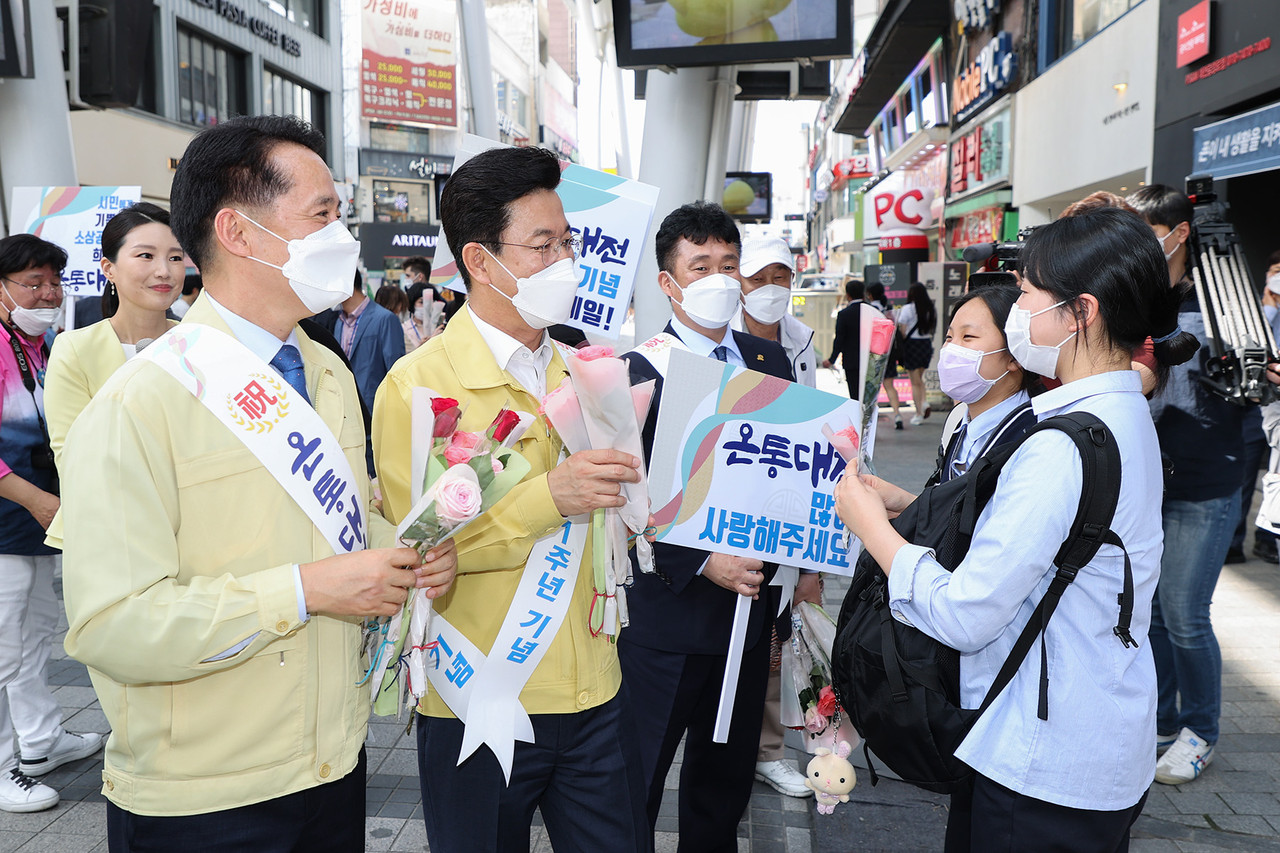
989	818
675	694
325	819
582	771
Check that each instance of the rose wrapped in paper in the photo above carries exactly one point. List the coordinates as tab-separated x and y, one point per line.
808	700
596	408
463	475
881	341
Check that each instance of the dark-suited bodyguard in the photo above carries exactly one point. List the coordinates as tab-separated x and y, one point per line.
674	651
220	622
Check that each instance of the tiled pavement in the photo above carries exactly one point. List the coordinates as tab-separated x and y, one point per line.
1234	806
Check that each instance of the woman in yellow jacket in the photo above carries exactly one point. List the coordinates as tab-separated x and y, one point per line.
143	264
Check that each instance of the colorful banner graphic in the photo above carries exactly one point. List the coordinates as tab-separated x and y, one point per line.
741	465
72	217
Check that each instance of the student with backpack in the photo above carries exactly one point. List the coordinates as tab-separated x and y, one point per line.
1066	749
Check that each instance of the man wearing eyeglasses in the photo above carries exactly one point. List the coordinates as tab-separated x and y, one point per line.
30	303
515	250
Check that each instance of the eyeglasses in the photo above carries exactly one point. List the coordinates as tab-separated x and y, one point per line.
54	288
553	248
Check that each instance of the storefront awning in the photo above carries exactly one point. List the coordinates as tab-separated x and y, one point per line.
903	33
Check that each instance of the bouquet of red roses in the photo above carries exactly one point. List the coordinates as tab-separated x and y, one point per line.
809	702
457	476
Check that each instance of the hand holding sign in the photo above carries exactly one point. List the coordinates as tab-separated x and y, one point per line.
742	575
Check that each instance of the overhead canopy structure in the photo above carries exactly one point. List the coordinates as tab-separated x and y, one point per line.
903	33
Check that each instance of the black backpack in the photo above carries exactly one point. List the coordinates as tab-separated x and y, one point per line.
901	687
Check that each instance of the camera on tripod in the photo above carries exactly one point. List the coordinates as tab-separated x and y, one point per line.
1006	255
1240	340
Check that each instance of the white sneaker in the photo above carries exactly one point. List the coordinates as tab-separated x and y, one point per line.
916	420
21	793
783	777
1163	742
1185	760
69	747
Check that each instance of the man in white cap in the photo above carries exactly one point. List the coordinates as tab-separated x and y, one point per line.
767	268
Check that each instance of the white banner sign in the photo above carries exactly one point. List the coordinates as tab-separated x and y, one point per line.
610	214
741	465
73	218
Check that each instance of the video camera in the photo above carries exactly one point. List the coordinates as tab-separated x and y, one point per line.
1006	255
1241	344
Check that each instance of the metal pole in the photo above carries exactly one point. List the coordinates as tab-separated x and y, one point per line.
37	150
475	45
677	132
718	144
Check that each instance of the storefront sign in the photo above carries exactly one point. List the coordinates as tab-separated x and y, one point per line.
1240	146
858	166
559	116
903	217
979	226
380	241
403	164
1227	61
980	158
985	77
263	28
73	218
977	14
410	61
1193	33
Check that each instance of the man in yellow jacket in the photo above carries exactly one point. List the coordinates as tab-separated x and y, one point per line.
506	226
220	624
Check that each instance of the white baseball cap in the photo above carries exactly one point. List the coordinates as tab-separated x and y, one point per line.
758	254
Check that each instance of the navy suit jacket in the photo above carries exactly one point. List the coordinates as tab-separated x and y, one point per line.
379	343
676	609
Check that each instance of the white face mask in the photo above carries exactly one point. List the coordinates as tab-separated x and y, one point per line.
958	373
767	304
1034	358
1273	283
420	313
545	298
320	266
33	321
712	300
1168	256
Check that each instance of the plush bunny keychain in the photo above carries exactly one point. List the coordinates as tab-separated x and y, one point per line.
831	776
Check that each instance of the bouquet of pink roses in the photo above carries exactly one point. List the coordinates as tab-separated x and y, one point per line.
597	408
457	476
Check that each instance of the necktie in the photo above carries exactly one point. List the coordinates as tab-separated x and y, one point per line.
721	353
288	363
957	466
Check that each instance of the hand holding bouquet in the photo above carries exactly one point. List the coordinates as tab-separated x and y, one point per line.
462	475
596	408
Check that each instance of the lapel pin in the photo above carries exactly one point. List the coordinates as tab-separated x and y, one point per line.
759	357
